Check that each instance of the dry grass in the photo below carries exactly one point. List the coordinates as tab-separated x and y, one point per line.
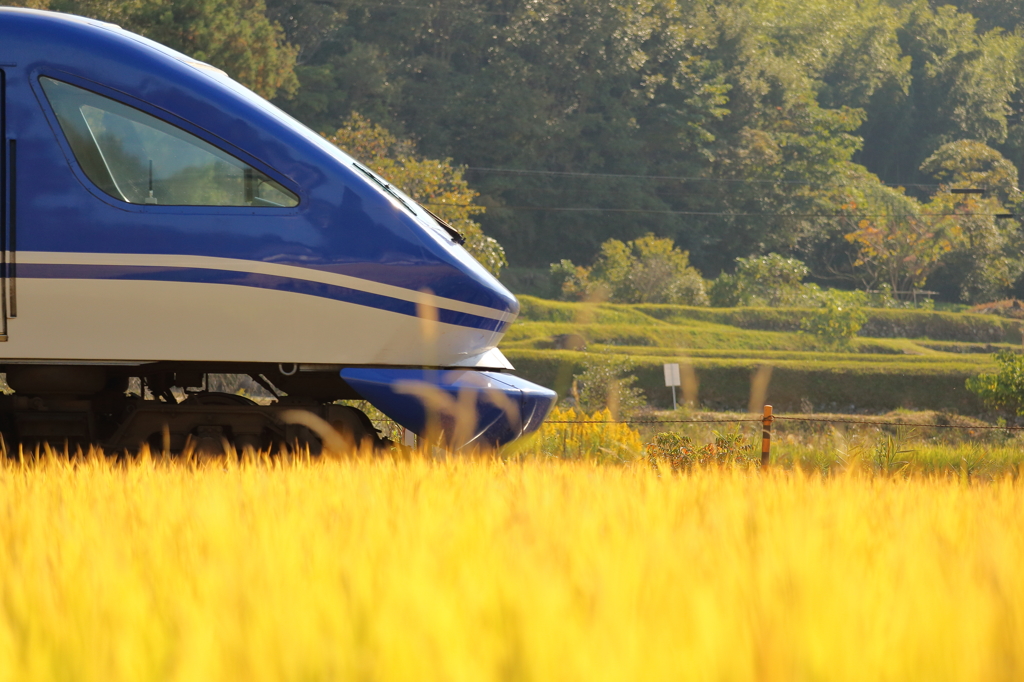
480	569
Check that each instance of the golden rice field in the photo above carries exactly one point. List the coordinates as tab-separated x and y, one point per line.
480	568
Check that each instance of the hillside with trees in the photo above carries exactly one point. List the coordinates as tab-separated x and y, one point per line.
841	134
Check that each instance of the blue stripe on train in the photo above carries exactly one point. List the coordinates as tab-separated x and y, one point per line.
249	279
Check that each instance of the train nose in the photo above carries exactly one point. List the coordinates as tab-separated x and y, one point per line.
453	382
465	408
470	405
473	283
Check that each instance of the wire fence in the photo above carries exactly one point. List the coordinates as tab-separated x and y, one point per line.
651	421
969	427
771	418
827	420
768	418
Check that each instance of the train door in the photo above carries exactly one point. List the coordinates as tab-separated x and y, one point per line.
8	206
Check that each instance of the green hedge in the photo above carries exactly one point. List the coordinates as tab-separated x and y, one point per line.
784	358
725	384
543	335
882	323
922	324
543	310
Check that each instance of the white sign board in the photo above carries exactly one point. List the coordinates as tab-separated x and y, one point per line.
672	374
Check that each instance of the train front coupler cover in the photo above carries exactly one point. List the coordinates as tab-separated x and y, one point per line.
465	407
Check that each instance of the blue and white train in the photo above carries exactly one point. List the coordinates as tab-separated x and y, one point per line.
162	222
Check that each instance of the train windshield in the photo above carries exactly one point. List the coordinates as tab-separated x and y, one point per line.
140	159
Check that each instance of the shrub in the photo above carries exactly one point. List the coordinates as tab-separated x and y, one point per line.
680	453
770	280
890	448
571	280
837	322
1002	391
645	270
573	434
604	384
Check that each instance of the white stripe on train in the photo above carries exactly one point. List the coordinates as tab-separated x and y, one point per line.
260	268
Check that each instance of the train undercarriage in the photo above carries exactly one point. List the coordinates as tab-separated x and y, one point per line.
175	407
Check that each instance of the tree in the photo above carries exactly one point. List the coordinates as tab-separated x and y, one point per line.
645	270
607	382
435	183
716	124
1002	391
1005	14
771	280
970	164
233	35
307	24
985	262
961	86
898	243
798	73
106	10
837	321
658	273
585	87
573	281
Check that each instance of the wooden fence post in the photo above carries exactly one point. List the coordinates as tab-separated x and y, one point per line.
766	435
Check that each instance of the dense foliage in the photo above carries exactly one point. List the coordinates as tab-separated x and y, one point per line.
735	127
836	133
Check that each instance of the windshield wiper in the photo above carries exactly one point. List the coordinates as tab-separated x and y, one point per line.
383	185
456	236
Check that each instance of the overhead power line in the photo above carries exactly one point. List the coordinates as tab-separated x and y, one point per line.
586	209
428	8
688	178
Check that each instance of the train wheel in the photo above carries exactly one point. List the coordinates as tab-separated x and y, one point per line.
356	429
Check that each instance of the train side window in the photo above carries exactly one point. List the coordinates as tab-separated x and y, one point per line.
140	159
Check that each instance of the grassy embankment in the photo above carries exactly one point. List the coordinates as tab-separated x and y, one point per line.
482	569
903	358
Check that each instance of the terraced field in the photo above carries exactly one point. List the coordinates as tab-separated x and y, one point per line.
903	358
